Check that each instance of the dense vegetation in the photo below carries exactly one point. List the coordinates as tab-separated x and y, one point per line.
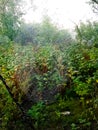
48	79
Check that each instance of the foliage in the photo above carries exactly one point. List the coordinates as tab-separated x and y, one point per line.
55	79
27	34
70	73
10	15
88	33
43	33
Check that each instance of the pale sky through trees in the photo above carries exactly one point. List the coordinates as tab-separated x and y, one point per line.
62	12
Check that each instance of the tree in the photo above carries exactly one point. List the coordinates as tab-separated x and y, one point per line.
27	34
47	32
95	1
88	33
10	17
50	33
94	4
43	33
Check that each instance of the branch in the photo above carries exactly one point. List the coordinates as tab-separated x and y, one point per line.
95	1
26	118
78	30
11	95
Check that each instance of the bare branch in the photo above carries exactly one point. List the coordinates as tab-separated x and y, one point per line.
95	1
26	118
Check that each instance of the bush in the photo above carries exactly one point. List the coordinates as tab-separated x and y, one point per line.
48	81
